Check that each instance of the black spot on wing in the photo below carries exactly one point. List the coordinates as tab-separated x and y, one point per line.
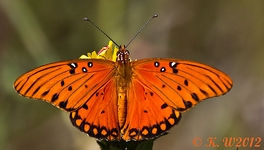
195	96
175	70
64	104
187	104
85	106
69	88
72	71
163	106
54	97
62	82
45	93
204	92
186	82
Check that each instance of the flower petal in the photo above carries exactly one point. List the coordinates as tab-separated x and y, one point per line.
107	52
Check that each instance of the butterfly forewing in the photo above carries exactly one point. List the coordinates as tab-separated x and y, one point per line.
181	84
67	84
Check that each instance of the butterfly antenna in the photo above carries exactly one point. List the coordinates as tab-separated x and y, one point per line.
154	16
87	19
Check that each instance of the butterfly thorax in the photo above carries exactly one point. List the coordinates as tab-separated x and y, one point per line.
123	80
123	55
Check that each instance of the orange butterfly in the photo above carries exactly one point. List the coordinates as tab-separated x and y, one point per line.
123	99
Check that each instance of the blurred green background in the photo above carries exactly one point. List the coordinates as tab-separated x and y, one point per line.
226	34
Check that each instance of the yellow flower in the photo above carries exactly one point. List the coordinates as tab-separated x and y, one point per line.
107	52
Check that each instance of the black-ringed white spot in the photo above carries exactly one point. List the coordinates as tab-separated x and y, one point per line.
90	64
156	64
173	64
162	69
73	65
84	69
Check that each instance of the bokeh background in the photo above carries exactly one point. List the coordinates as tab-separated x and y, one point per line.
226	34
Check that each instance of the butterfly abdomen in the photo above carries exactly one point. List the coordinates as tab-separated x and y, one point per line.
122	106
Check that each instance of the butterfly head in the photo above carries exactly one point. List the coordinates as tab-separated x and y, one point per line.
123	55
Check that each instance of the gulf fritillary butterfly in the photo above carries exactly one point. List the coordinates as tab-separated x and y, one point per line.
123	99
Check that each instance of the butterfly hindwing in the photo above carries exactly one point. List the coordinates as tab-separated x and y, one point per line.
67	84
149	116
98	116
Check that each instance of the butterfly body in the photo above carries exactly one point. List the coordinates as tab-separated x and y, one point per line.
124	100
123	78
